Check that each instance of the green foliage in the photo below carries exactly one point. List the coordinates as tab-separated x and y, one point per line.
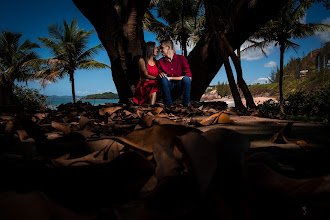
301	105
13	55
274	75
106	95
223	89
270	89
28	98
180	20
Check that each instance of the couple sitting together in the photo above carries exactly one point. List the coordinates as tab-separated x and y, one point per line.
169	76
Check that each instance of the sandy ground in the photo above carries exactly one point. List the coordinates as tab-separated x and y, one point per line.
257	100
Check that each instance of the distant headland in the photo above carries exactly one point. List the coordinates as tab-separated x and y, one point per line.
106	95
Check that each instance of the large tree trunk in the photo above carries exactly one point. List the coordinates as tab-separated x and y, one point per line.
205	61
119	27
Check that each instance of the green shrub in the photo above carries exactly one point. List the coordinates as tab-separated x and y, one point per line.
305	106
28	98
223	89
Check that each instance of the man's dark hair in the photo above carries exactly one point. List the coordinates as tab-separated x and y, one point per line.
167	43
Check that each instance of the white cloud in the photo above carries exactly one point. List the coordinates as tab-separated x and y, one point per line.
255	54
261	80
303	19
270	64
79	92
177	47
325	36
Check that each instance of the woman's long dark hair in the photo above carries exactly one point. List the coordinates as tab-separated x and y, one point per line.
148	51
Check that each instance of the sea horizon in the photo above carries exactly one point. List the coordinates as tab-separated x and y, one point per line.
54	103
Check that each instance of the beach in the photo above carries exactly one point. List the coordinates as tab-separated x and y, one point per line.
257	100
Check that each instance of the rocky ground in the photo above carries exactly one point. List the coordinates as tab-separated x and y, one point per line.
141	162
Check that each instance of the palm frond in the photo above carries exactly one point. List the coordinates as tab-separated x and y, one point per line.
90	53
92	64
35	63
55	31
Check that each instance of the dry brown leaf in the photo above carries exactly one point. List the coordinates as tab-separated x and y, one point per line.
150	185
22	135
89	159
41	115
9	127
303	144
83	121
157	110
278	138
144	139
96	145
263	177
167	165
65	119
210	120
140	113
150	120
109	110
86	133
65	128
203	158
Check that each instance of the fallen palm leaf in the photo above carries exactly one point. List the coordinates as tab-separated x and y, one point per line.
303	144
65	128
202	157
157	110
144	139
83	121
167	165
22	135
109	110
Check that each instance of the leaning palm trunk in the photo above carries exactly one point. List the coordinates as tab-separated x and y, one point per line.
223	46
282	50
241	82
230	76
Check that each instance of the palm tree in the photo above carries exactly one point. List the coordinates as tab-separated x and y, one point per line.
12	57
285	27
68	44
183	21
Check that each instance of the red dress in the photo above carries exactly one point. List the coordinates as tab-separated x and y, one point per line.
146	86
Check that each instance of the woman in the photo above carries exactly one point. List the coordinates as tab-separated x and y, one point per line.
148	86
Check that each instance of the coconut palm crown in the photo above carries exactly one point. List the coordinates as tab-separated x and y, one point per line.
69	45
13	55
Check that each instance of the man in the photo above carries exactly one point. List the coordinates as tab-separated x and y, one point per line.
174	73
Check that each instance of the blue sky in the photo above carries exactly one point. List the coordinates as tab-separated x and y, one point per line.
31	18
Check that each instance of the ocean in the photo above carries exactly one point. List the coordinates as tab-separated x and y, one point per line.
54	103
